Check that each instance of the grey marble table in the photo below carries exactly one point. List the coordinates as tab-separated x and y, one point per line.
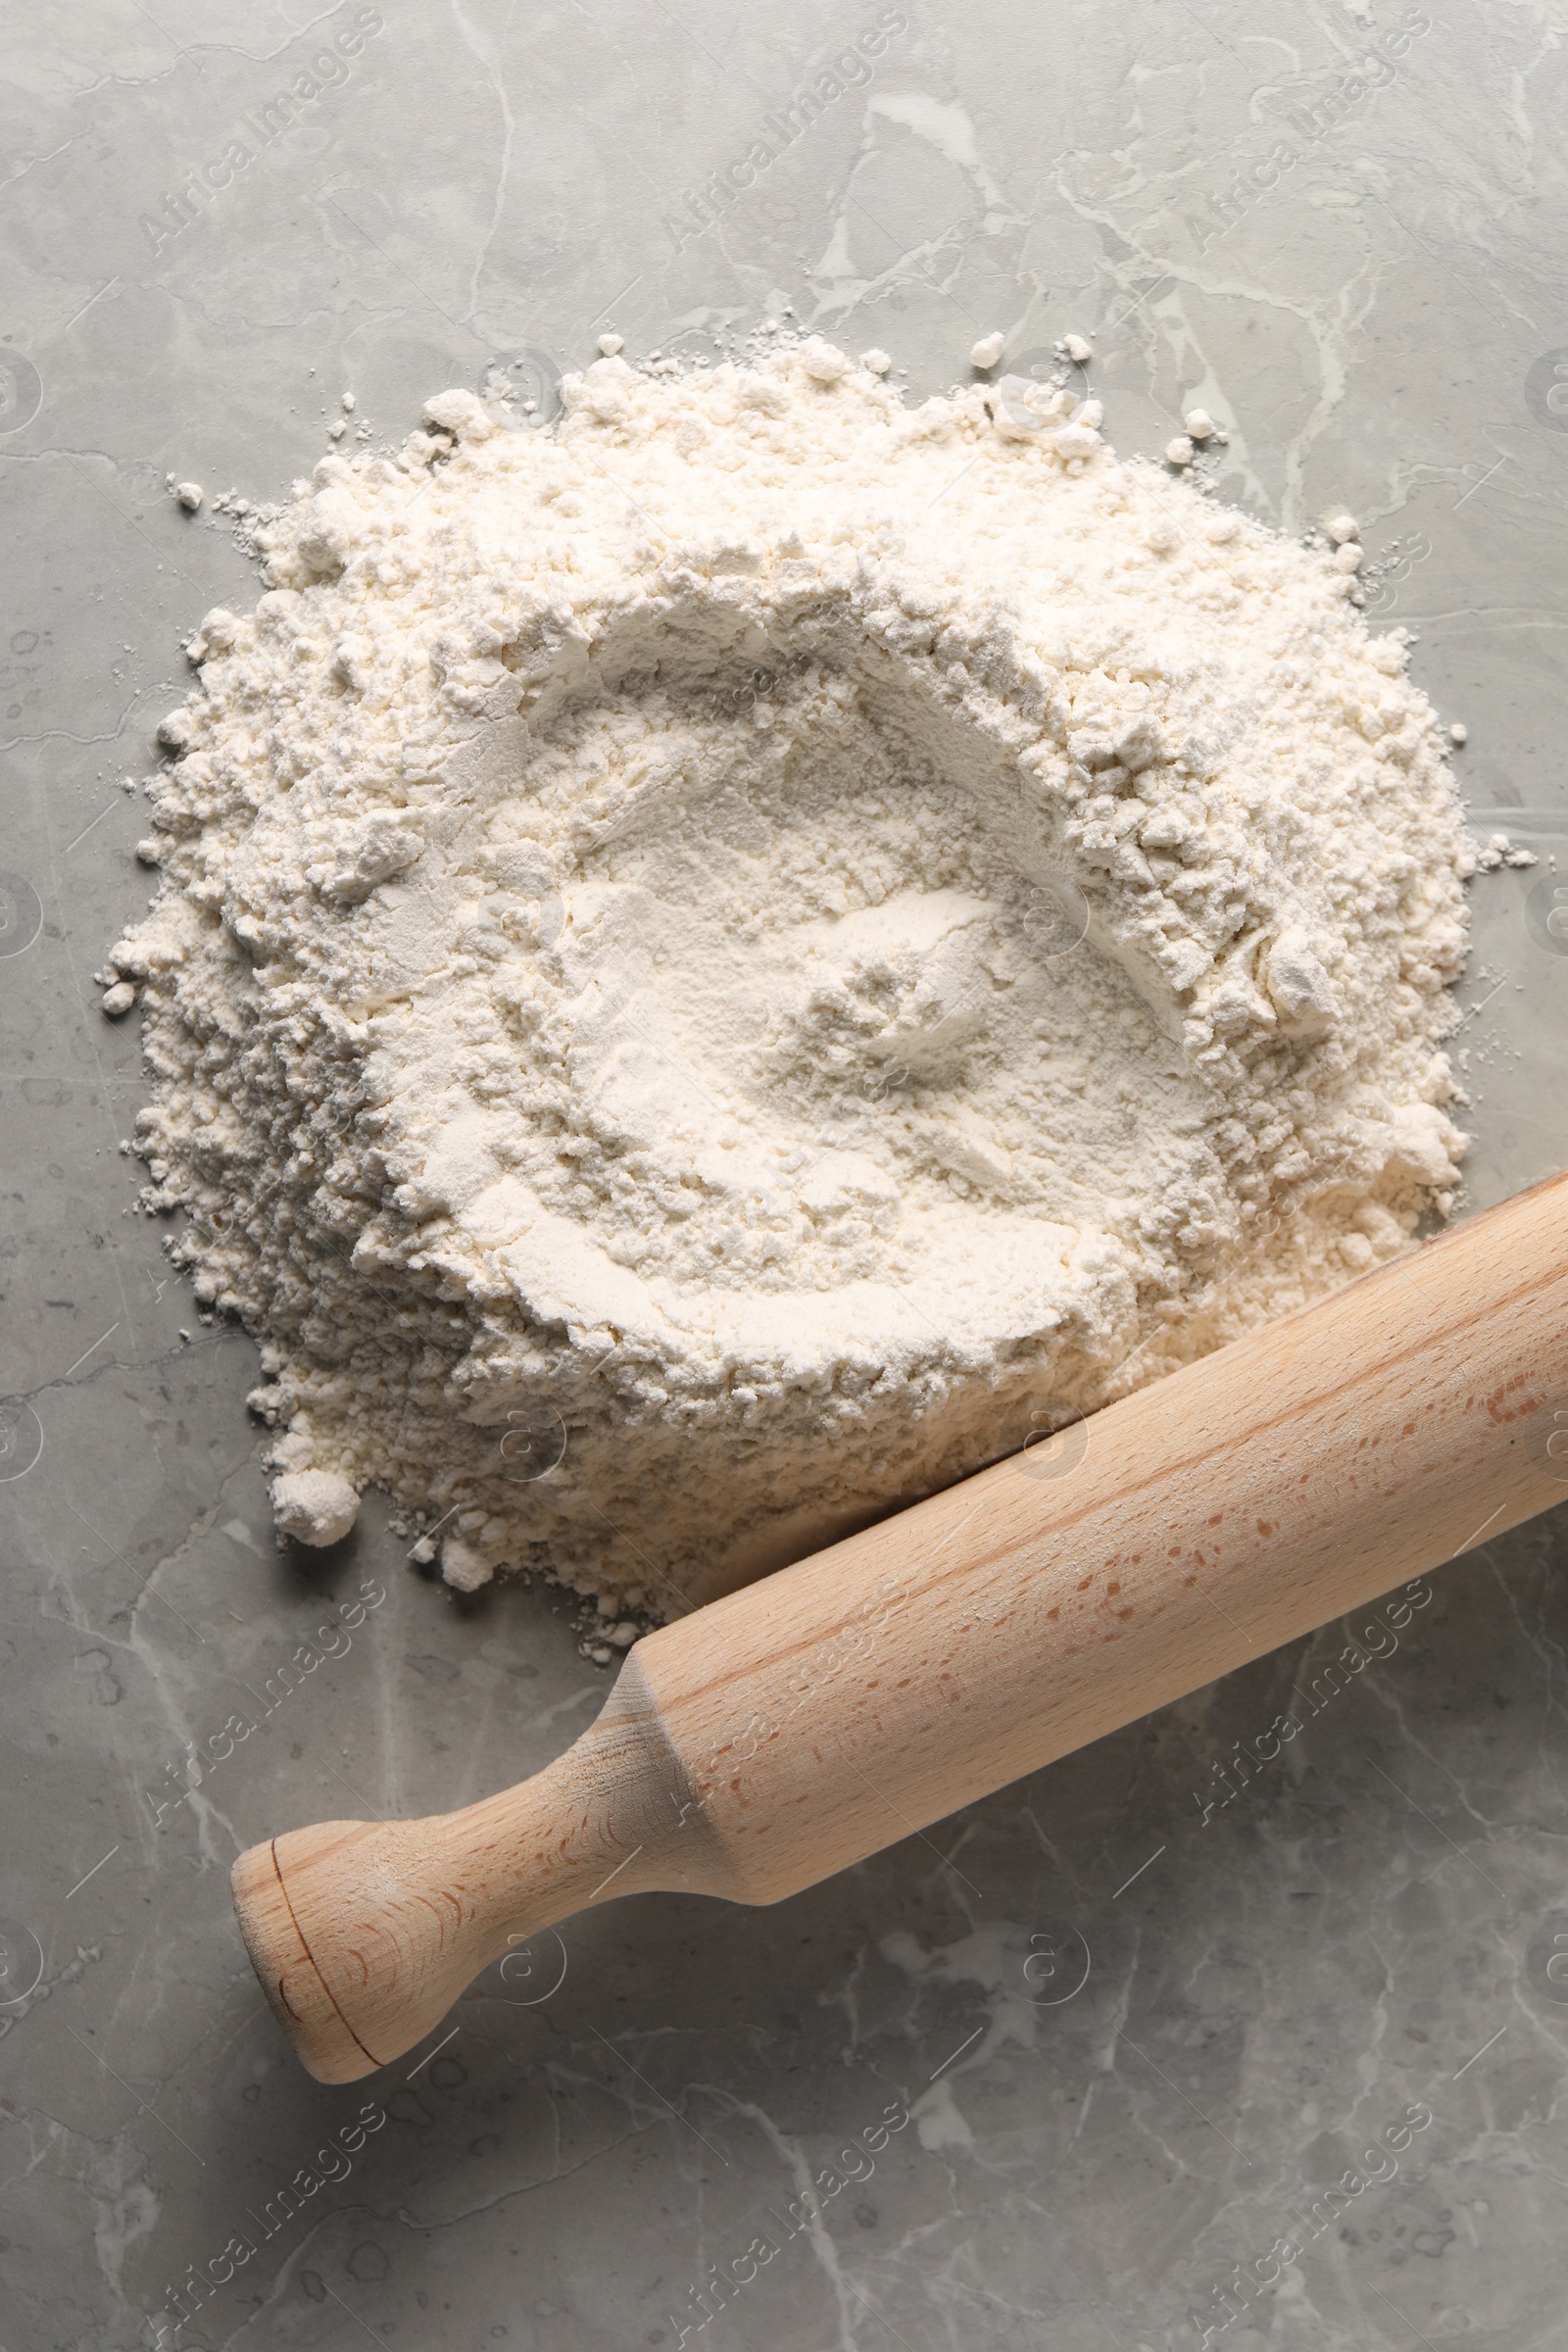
1182	2041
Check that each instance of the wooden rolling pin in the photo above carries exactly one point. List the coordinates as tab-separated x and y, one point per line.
782	1732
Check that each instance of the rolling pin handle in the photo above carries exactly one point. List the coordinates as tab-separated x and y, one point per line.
363	1934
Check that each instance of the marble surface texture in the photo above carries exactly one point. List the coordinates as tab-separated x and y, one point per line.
1130	2030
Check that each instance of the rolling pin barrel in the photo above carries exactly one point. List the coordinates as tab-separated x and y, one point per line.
793	1727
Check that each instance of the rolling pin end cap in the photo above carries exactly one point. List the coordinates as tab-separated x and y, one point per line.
288	1976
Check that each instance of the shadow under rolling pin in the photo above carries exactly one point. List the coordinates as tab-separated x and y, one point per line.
793	1727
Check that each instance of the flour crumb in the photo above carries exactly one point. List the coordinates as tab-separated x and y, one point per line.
1076	349
1343	527
315	1506
988	351
609	344
190	496
465	1567
824	361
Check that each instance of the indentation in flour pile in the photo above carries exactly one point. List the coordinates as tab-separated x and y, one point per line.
761	936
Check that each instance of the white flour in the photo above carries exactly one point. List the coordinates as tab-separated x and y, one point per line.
622	1029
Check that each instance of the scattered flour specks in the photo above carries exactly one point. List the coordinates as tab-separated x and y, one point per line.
720	964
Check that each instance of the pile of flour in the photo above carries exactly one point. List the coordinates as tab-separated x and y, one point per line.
722	964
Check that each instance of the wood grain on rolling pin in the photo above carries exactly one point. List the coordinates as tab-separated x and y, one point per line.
788	1730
